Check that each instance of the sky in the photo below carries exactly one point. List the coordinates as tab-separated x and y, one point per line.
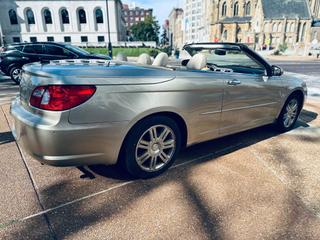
161	8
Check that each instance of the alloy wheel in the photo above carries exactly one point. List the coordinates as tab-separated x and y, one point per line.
155	148
291	113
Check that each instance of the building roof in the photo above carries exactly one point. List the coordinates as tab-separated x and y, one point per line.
236	19
291	9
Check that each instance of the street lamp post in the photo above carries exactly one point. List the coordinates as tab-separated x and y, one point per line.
109	36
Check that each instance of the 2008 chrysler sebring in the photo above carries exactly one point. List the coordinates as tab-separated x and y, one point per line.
84	112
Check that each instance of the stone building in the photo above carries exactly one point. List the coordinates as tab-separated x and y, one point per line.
259	23
262	22
175	29
77	22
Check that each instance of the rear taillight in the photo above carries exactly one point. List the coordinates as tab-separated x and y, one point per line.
60	97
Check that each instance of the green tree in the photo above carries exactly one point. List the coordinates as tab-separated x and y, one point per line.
148	30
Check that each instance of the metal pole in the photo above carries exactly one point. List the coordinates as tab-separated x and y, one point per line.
109	36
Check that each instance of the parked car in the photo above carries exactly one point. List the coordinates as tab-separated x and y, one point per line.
14	56
74	113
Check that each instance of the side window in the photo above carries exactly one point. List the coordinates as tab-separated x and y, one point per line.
33	49
233	59
54	50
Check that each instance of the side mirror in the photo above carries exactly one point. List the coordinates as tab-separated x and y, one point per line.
185	62
276	71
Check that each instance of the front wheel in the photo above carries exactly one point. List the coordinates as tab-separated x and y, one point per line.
15	74
289	114
152	147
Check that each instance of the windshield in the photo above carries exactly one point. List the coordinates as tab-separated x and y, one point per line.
77	49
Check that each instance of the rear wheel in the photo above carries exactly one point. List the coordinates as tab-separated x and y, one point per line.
15	74
152	147
289	114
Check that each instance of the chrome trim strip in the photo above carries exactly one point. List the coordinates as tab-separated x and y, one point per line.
247	107
208	113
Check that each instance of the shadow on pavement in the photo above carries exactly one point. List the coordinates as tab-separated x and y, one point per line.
81	215
6	137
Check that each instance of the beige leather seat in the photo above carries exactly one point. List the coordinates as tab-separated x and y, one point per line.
197	62
121	57
144	59
161	60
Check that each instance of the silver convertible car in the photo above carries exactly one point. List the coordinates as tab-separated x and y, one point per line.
85	112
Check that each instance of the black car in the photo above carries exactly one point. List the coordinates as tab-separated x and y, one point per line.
14	56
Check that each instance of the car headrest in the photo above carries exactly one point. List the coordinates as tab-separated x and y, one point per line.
121	57
144	59
161	60
197	62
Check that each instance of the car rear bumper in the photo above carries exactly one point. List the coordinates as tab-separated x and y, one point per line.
63	144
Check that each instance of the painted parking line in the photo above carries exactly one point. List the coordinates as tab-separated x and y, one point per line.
202	158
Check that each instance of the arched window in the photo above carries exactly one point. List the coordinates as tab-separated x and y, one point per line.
30	17
82	16
303	32
99	16
275	27
13	17
65	16
236	9
292	27
248	9
280	27
47	16
225	35
224	9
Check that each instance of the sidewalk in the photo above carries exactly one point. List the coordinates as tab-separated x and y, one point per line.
254	185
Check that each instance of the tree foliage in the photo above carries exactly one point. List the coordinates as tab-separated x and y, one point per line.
148	30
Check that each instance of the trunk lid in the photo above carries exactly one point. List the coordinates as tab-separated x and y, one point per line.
88	72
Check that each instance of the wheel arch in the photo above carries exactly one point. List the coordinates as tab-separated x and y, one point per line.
296	92
172	115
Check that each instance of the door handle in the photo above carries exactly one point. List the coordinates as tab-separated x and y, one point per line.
234	82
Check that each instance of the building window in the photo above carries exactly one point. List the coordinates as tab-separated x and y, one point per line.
101	39
292	27
65	16
30	17
33	39
67	39
225	35
303	32
280	27
16	39
248	9
236	9
99	16
275	27
84	39
47	16
82	16
13	17
50	39
224	9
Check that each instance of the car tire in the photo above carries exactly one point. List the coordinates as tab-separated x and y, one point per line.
289	114
151	147
15	74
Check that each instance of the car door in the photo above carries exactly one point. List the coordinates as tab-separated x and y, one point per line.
54	52
32	53
250	98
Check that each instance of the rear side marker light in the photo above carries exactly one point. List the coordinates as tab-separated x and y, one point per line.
60	97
